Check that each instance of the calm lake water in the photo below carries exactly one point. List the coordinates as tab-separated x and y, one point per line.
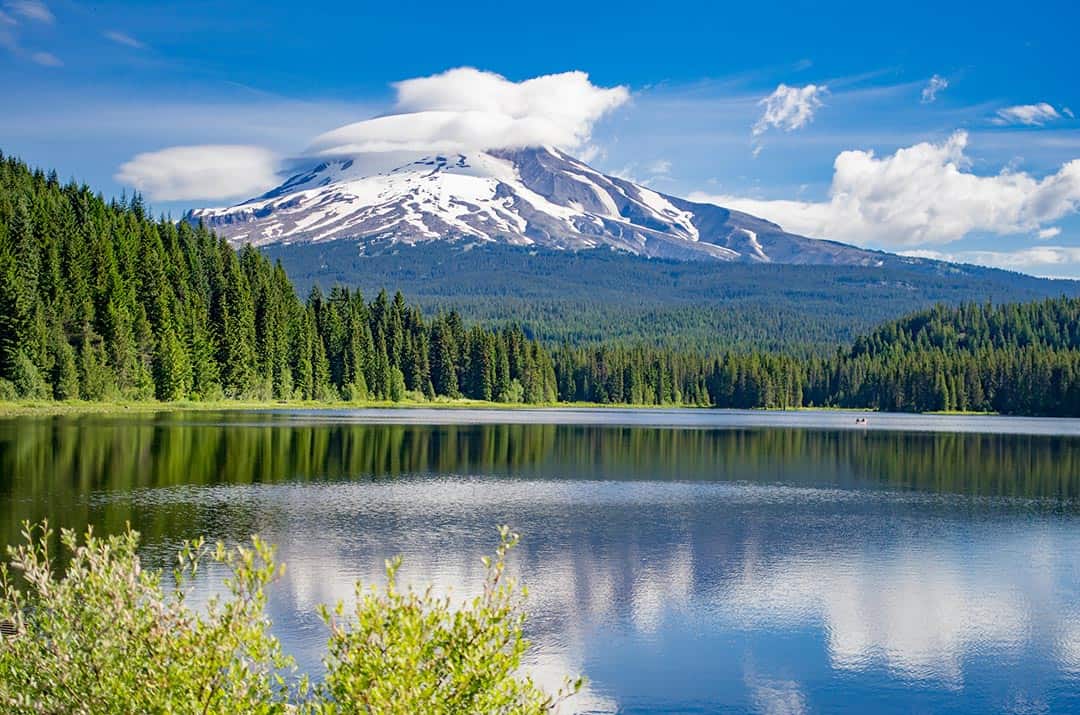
685	561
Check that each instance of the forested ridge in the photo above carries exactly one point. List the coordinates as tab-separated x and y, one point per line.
606	297
100	301
1016	358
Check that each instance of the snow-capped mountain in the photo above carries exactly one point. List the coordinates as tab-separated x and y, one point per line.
531	197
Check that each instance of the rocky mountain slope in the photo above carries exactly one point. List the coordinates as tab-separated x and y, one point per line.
524	197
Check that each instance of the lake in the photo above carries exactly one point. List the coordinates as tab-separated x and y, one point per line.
686	561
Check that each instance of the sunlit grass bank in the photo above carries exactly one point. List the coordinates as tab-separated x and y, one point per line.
75	407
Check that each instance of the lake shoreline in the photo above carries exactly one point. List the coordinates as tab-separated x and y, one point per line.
48	408
471	412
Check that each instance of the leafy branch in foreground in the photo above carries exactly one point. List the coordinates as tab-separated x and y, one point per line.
105	636
412	652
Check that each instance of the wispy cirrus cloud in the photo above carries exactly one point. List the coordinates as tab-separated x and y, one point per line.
46	59
1032	115
8	40
659	167
657	170
122	38
935	84
33	10
17	12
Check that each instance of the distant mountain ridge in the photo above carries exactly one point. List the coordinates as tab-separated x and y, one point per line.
538	197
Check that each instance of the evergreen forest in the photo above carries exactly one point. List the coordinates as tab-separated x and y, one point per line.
101	301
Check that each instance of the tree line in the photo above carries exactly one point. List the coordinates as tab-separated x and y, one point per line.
1019	359
99	301
610	297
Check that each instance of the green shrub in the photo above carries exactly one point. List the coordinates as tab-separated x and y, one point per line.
397	384
27	379
355	391
105	636
413	652
514	393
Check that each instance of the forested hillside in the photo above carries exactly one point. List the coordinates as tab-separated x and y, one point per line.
98	301
1014	358
602	296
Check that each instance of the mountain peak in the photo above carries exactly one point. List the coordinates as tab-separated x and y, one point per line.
529	196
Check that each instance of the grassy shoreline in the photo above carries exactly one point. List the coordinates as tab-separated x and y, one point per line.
48	408
77	407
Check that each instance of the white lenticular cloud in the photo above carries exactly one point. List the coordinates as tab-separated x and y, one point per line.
467	109
1032	115
936	84
921	195
201	172
789	108
459	110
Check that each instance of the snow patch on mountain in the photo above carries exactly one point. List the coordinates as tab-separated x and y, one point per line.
534	196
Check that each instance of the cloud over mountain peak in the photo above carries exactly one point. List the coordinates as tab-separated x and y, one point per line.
467	109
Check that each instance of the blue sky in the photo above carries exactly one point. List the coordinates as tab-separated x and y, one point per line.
938	128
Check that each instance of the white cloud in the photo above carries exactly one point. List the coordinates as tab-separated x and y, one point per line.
201	172
46	59
1039	260
31	10
34	10
458	110
644	174
123	38
659	167
920	195
1047	233
8	40
789	108
467	109
1032	115
1068	112
936	84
